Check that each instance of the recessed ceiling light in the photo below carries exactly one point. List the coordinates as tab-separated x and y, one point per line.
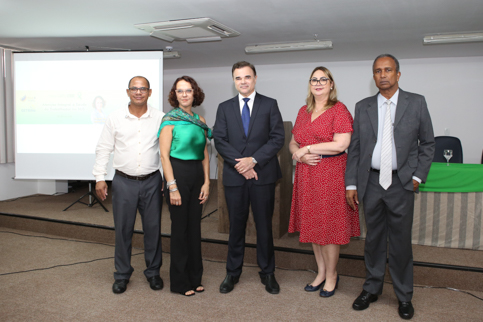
453	38
290	46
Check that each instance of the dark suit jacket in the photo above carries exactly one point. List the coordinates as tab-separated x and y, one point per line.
413	137
265	138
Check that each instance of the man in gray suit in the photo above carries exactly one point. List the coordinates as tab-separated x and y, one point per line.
390	154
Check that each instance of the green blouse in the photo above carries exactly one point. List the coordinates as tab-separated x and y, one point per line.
188	140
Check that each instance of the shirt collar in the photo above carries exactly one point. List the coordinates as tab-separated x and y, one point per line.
145	115
381	99
251	97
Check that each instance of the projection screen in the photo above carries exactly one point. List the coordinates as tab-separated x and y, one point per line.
61	102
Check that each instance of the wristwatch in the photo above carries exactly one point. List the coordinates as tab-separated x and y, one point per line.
254	161
308	149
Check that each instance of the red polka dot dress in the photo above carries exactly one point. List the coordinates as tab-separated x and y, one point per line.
319	209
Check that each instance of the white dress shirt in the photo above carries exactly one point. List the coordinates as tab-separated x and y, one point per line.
134	142
249	103
381	112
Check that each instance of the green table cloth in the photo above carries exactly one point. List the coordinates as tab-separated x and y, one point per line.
457	177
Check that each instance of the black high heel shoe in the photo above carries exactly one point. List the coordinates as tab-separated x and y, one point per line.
311	288
325	293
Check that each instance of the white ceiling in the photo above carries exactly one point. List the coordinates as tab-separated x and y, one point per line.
359	29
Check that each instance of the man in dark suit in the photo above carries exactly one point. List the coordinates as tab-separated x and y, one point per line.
248	134
384	169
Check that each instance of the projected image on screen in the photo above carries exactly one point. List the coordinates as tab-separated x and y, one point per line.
62	101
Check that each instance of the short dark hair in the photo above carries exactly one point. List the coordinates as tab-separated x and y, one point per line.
387	55
198	95
129	84
242	64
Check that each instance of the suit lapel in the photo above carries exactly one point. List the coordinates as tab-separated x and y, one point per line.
373	113
402	104
236	112
256	107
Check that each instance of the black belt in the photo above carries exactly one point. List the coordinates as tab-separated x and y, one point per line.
330	156
138	178
378	171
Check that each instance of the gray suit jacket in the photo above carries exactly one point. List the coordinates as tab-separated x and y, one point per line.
413	137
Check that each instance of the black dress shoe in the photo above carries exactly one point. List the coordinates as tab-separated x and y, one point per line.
156	283
270	283
362	301
406	310
228	283
119	286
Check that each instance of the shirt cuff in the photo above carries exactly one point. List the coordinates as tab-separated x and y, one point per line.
100	178
417	179
351	187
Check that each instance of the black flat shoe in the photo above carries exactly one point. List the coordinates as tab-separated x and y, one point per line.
119	286
311	288
228	283
156	283
271	285
325	293
362	301
406	310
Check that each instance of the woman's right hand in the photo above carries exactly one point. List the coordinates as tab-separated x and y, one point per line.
310	159
174	197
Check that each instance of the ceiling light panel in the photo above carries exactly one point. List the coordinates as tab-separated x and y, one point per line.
292	46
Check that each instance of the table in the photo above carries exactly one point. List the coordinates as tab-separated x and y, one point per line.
448	209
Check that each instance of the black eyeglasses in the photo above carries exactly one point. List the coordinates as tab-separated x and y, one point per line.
141	89
322	81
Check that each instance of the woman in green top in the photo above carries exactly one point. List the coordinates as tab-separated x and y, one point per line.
184	155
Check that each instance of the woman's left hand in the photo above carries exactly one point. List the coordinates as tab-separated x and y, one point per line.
205	192
299	154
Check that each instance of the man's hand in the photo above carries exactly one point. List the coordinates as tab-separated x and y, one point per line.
415	185
250	174
101	190
244	164
352	198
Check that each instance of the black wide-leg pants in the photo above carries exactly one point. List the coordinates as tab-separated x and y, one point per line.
186	267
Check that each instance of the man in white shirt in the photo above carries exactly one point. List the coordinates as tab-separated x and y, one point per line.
390	154
131	133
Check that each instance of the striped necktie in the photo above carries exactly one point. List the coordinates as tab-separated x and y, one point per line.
385	175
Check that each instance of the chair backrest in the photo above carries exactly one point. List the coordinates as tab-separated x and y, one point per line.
448	143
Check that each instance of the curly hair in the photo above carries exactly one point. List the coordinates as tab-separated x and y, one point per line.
198	95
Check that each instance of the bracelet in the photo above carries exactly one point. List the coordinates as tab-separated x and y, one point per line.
173	190
169	183
308	148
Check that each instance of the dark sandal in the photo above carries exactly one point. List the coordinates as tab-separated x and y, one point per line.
184	293
199	291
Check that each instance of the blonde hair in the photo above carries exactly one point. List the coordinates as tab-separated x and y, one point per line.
332	100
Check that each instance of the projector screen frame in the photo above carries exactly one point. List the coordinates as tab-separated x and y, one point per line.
53	166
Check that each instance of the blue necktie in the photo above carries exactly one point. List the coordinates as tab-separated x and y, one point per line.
246	116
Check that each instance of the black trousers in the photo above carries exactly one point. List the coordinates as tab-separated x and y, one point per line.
186	267
238	200
389	218
128	196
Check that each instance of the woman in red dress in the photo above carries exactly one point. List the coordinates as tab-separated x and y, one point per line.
321	134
